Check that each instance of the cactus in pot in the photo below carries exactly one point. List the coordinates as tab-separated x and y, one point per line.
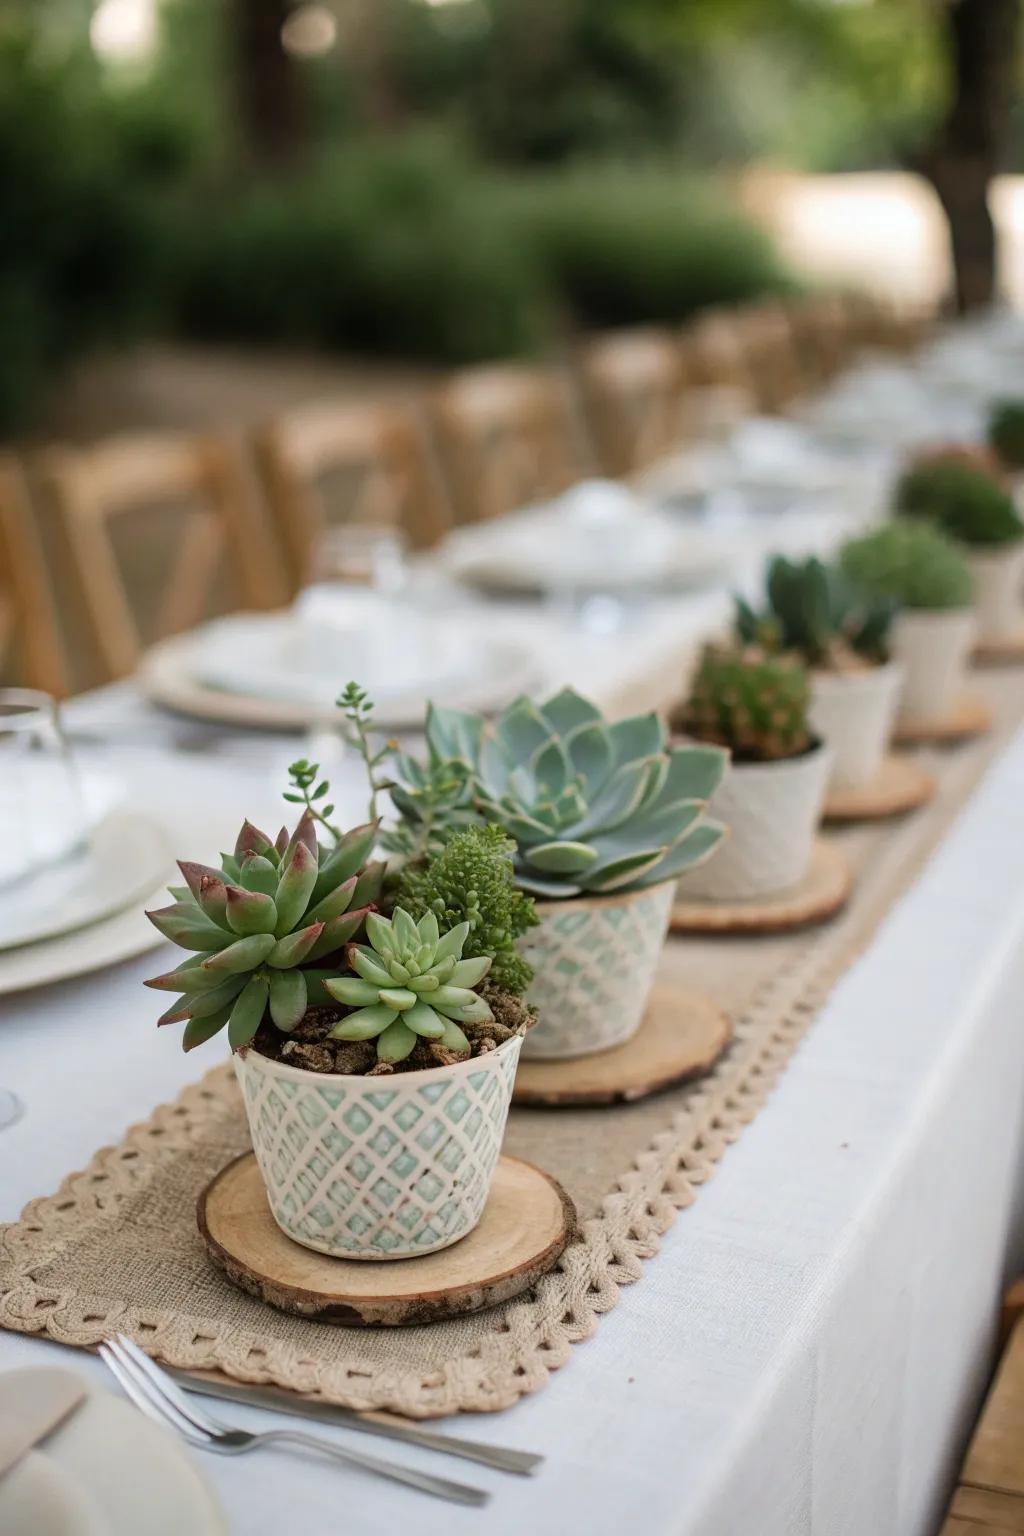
339	1062
841	632
756	704
1006	431
603	817
923	570
976	510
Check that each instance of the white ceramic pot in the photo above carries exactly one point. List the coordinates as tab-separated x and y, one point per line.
772	811
378	1167
932	646
998	576
594	959
854	713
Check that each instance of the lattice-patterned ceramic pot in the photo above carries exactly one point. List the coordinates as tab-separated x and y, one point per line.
378	1167
594	959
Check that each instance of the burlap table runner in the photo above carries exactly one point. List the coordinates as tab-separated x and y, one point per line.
117	1246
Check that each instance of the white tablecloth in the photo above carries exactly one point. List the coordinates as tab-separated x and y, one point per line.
807	1350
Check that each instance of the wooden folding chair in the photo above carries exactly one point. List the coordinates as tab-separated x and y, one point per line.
382	449
31	648
824	335
766	339
131	478
507	436
632	387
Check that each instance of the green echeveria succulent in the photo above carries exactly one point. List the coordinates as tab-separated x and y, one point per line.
592	806
259	925
410	983
756	705
813	609
911	562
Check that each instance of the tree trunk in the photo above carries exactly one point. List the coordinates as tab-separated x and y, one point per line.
270	107
982	40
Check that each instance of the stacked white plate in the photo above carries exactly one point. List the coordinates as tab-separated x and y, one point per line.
598	537
284	671
72	894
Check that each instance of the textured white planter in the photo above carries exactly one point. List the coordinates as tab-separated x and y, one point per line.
854	713
998	577
595	959
378	1167
772	811
932	646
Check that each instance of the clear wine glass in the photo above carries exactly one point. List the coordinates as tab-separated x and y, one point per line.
41	813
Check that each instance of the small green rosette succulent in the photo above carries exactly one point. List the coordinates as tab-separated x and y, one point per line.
259	925
411	983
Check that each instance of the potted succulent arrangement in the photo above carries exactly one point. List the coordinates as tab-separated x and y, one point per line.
771	797
974	507
1006	433
842	635
376	1021
604	818
924	573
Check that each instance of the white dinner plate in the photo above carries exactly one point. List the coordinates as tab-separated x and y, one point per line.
115	939
171	675
106	1471
124	860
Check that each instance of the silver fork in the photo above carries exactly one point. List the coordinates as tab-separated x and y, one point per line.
157	1396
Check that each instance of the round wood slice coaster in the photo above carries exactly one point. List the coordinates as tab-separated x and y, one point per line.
682	1036
1002	652
527	1222
969	717
821	893
901	784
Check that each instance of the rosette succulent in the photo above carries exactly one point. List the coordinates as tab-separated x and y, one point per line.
815	610
591	806
756	705
410	983
260	924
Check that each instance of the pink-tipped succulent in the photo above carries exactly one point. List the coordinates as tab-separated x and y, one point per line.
265	928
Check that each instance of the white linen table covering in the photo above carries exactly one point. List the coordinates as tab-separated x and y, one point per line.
804	1356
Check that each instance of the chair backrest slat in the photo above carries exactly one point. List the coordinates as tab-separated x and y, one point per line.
632	385
28	613
508	436
386	446
130	478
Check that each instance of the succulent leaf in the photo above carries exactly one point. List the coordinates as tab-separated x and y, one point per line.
335	903
198	1031
251	840
395	1043
250	912
243	955
185	925
247	1012
364	1024
256	873
295	947
294	888
287	996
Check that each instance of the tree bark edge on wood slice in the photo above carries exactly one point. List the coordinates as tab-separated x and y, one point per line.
527	1223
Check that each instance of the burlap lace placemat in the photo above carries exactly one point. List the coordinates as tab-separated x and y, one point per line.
117	1247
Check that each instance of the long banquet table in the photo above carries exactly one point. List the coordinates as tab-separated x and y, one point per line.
808	1348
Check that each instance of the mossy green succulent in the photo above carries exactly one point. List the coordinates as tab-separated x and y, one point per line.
754	704
962	500
471	880
1006	431
911	562
411	982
